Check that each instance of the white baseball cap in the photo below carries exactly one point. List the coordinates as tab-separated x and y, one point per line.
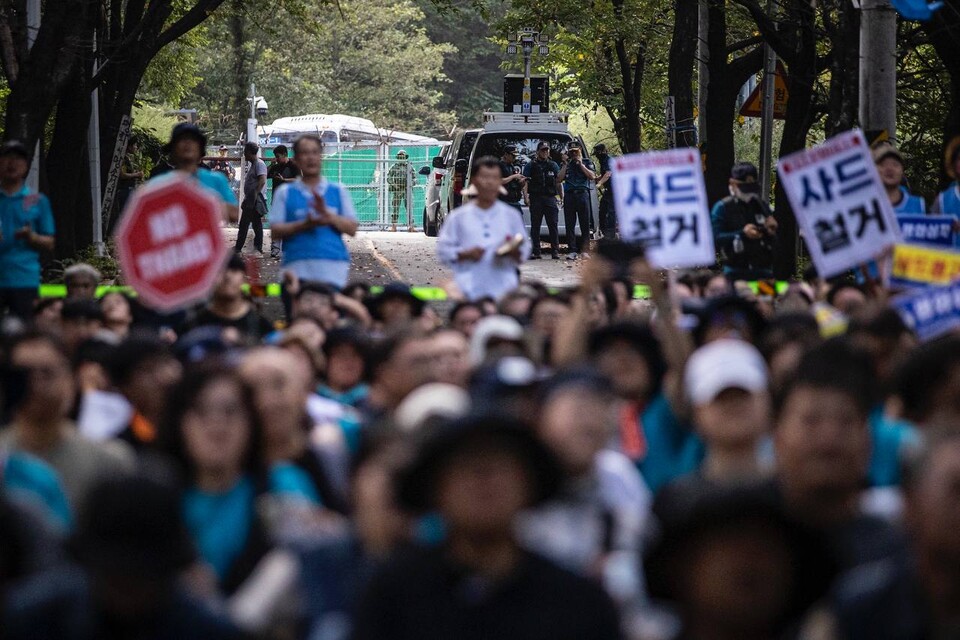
724	364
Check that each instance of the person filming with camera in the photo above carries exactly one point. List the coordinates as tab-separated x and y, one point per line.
744	229
576	174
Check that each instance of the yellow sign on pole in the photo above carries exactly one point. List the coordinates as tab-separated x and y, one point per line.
753	105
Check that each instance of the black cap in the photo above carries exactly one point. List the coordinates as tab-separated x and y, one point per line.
599	148
15	148
511	149
187	130
543	145
573	144
744	172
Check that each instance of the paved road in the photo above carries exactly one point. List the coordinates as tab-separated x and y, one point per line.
379	257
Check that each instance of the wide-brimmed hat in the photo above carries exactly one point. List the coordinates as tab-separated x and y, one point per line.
395	291
133	525
417	483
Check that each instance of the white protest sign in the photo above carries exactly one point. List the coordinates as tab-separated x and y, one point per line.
661	203
839	202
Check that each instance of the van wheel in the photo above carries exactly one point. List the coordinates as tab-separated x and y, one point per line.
429	228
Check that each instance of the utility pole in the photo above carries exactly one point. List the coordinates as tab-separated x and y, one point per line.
878	69
766	121
525	41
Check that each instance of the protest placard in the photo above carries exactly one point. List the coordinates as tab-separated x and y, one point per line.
662	204
839	202
914	265
932	311
921	229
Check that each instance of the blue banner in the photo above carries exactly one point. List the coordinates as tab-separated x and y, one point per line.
920	229
932	311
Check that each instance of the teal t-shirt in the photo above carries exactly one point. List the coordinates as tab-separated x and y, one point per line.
19	262
34	481
220	523
211	180
888	438
672	449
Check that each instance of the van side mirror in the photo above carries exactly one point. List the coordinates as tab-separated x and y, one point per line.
438	163
424	171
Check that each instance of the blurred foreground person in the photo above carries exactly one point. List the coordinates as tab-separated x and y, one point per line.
735	567
130	546
479	474
918	598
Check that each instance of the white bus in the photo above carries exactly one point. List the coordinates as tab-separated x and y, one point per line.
333	129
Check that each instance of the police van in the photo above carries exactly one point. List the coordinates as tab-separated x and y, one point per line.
500	130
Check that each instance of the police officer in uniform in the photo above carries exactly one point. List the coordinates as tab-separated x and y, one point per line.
511	178
540	194
608	215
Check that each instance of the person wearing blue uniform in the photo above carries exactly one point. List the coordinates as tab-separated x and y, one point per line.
890	165
26	229
577	174
186	148
312	215
948	202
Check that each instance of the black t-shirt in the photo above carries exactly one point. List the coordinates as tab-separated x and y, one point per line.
251	324
421	595
286	170
514	188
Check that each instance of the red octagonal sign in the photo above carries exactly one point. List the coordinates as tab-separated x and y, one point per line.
170	243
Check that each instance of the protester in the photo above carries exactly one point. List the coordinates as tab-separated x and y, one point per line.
81	280
230	309
596	525
117	310
890	165
129	548
479	474
212	430
312	216
40	425
484	241
26	229
186	149
464	317
948	201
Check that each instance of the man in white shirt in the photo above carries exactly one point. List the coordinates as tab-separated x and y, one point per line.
471	236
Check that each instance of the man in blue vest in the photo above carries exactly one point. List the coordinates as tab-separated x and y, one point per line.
26	228
948	202
890	165
312	214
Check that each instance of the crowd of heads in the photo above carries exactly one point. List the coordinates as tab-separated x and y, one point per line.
715	456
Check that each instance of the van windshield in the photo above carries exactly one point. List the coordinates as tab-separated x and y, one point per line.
493	144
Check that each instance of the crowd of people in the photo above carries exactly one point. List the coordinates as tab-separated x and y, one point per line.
706	461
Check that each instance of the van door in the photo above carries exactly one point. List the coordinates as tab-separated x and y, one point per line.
459	166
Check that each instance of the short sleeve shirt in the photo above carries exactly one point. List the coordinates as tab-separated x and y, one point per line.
211	180
575	179
19	262
257	169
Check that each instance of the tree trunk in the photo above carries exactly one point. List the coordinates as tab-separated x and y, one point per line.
66	165
844	35
683	48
